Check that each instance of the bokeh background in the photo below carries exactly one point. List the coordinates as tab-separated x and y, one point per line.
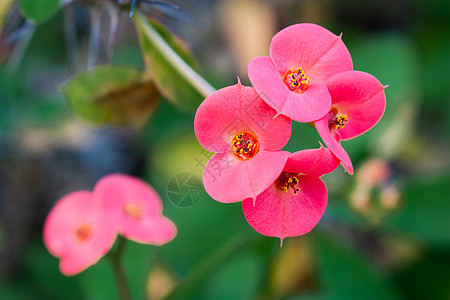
385	233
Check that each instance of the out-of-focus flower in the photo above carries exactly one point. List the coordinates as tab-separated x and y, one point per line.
135	208
78	232
376	192
297	199
358	102
235	123
292	79
83	225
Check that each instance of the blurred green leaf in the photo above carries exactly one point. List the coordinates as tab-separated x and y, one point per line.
98	282
137	261
238	279
428	278
5	7
14	291
346	274
38	11
391	58
111	94
310	297
44	276
198	275
175	79
425	213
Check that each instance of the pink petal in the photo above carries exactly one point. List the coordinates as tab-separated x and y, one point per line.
74	263
229	179
320	53
333	144
71	266
150	230
116	190
280	214
308	106
312	162
234	109
71	211
361	97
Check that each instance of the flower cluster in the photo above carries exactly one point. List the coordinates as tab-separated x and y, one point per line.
308	78
83	225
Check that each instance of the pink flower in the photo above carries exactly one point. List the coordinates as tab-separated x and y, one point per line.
292	79
82	226
135	208
296	200
78	232
358	103
242	129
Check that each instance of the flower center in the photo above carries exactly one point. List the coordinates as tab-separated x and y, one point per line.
336	120
134	210
245	145
288	181
296	80
83	233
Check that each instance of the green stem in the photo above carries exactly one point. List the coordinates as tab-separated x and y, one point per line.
118	269
164	49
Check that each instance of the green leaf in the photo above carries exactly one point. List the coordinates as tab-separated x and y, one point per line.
391	58
238	279
111	94
346	274
428	278
175	79
200	273
5	7
38	11
44	276
137	261
98	281
425	211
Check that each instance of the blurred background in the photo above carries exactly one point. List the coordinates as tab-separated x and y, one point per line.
385	233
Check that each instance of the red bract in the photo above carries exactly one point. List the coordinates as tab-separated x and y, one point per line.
244	131
296	200
358	103
78	232
292	79
135	208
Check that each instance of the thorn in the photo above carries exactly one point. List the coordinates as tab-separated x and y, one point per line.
133	7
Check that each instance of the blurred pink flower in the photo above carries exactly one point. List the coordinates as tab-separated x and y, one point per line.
82	226
78	232
358	103
292	79
297	199
135	208
243	130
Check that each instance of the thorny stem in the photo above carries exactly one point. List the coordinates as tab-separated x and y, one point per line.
118	270
94	37
71	38
19	50
186	71
113	13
